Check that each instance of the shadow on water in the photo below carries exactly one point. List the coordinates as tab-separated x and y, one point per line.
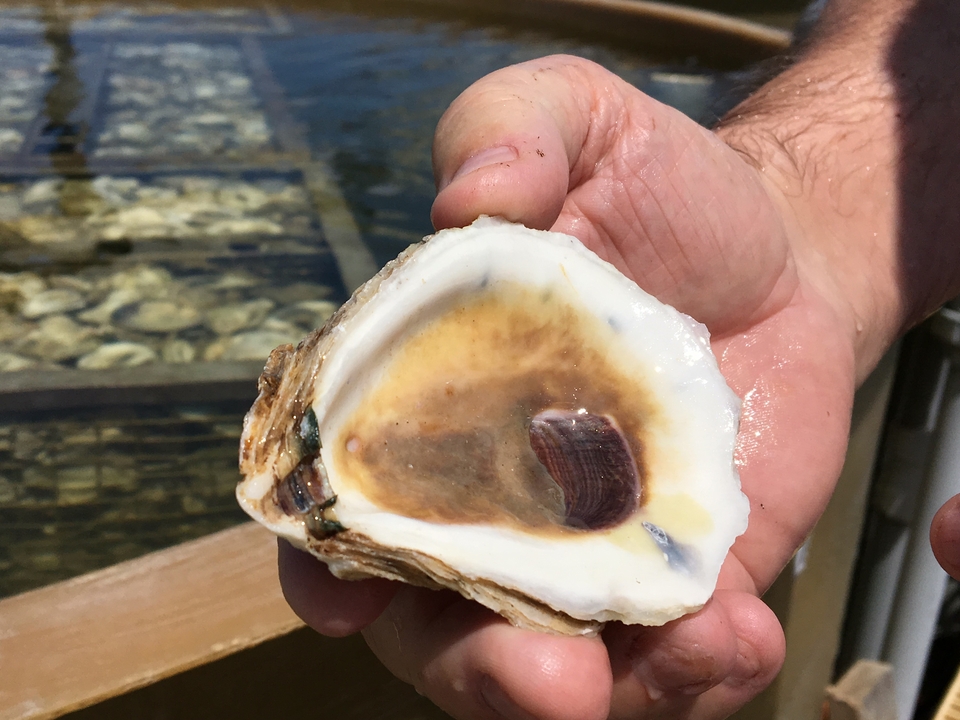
63	137
343	681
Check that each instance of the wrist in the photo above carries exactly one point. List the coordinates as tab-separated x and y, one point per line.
816	159
855	142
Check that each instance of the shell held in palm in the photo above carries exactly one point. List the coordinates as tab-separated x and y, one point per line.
502	413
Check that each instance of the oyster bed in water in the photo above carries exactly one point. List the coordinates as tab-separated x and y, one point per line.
180	291
502	413
184	97
95	319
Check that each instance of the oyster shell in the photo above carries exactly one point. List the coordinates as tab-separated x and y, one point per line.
502	413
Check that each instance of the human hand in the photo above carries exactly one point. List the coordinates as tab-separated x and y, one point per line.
560	143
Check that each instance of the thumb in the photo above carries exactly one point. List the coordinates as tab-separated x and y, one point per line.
506	146
561	143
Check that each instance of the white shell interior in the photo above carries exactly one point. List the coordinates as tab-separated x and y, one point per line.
615	574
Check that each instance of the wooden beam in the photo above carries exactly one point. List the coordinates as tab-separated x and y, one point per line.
155	384
69	645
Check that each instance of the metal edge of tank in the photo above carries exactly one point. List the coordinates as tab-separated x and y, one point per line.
708	34
715	38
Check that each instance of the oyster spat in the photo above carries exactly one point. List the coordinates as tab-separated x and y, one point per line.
502	413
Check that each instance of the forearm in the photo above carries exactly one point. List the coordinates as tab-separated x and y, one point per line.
859	141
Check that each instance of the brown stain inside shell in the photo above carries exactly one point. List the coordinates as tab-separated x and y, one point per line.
444	435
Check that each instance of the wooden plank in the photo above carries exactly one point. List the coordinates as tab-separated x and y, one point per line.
40	166
69	645
156	384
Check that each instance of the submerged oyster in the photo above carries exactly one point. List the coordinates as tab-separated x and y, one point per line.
502	413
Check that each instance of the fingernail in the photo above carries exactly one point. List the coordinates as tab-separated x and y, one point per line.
485	158
498	701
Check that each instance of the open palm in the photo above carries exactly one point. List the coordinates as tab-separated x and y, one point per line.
561	144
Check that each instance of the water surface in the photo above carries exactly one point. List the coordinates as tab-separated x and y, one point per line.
166	179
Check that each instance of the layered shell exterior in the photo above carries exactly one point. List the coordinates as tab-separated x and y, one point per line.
502	413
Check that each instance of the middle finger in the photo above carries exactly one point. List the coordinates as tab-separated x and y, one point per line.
476	666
